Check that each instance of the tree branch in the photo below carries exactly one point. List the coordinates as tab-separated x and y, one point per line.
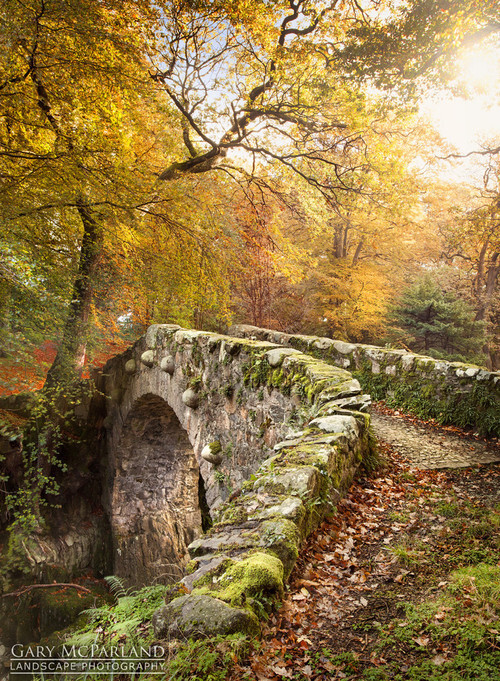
26	589
483	152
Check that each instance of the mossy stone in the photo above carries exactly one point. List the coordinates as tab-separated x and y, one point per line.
283	538
259	574
212	452
197	616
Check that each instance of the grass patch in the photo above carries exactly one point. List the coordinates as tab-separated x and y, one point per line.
209	659
457	633
409	551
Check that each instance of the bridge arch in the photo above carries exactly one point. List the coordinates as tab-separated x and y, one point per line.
154	504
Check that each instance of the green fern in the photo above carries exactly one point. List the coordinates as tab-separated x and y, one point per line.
116	586
83	638
127	620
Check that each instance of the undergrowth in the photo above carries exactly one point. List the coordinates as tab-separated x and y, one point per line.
209	659
457	633
126	624
127	621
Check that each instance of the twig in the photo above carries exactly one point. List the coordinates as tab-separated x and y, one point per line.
25	589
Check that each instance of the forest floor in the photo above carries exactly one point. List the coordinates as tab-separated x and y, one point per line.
404	582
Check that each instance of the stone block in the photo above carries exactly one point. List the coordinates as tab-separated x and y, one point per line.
337	423
191	398
197	616
302	481
130	366
148	358
167	364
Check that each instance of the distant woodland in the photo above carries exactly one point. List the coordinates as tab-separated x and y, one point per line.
205	162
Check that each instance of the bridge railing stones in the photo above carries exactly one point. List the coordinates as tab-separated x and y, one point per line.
451	392
293	460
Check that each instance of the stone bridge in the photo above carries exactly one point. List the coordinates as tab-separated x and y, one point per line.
191	418
455	393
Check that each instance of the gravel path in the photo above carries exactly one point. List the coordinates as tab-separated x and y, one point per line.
432	447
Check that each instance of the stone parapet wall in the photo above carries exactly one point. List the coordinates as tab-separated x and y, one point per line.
451	392
240	567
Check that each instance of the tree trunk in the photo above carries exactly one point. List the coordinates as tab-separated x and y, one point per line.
487	286
484	292
358	251
70	358
5	296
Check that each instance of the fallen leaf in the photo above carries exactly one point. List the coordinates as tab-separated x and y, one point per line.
260	671
326	664
307	582
438	660
281	671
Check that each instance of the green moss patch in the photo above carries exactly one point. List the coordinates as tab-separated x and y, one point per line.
259	575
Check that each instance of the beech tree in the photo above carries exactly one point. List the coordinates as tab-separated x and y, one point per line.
270	79
472	244
72	95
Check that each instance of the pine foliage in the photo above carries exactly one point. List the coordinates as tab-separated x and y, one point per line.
437	323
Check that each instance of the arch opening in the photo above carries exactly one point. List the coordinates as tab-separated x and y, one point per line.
155	500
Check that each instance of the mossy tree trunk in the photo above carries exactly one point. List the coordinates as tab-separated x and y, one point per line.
70	358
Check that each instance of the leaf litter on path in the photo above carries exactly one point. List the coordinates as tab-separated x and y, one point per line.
389	543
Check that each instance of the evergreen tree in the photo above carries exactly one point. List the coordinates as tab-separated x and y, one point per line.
437	323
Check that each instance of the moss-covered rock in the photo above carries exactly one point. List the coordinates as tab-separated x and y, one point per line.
212	452
283	538
197	616
261	574
303	481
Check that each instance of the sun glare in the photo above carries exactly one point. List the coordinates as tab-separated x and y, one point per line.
467	120
481	70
